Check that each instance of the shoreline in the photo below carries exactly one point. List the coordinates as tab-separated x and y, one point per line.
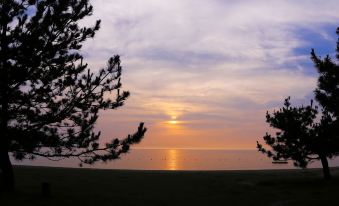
171	171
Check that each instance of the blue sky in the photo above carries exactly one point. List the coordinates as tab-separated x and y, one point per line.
214	66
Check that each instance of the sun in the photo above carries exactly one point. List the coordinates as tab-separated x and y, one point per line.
173	122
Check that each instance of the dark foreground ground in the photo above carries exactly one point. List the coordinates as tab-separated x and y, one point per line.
119	187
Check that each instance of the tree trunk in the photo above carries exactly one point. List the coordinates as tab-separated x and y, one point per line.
7	171
5	163
326	169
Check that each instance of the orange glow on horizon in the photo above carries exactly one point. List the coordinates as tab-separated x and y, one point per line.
171	129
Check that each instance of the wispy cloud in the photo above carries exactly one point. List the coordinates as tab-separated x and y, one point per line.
218	63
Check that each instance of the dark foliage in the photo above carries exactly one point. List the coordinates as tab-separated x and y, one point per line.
49	98
308	133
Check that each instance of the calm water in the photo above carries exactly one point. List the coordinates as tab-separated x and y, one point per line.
182	159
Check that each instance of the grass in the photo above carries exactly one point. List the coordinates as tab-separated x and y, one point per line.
121	187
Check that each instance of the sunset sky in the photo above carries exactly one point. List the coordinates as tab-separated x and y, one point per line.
203	73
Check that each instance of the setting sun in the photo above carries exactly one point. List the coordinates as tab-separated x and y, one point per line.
173	122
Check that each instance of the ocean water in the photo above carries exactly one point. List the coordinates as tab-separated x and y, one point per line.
181	159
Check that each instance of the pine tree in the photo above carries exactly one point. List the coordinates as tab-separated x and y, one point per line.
309	133
49	98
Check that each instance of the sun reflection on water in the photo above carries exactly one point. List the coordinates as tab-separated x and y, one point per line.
172	159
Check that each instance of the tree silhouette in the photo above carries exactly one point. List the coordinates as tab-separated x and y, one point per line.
49	99
309	133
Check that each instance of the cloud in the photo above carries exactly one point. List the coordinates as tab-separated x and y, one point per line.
214	61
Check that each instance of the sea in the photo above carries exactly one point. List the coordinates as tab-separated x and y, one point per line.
181	159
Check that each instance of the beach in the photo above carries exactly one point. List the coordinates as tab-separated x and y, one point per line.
71	186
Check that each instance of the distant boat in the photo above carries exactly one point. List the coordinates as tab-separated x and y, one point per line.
280	162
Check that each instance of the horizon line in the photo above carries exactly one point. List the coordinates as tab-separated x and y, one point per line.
188	148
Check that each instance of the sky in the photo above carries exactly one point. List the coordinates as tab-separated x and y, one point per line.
203	73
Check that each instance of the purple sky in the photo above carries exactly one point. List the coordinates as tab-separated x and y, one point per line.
213	66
